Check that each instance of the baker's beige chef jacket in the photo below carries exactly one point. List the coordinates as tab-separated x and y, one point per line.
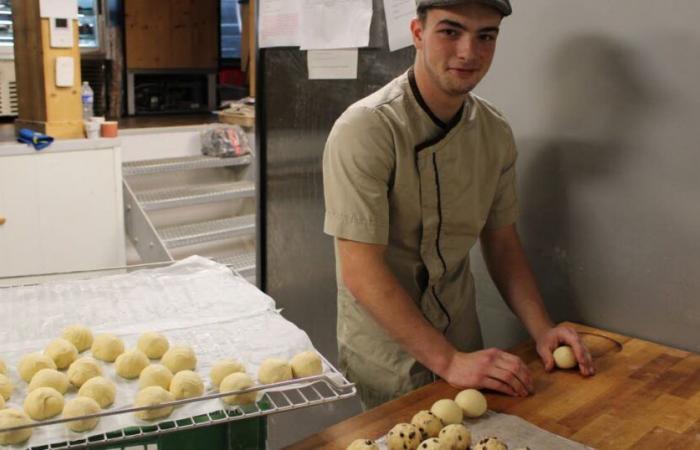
395	175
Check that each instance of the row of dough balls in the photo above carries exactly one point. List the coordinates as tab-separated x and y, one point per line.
440	428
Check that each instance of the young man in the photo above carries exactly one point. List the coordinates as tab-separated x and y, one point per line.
414	174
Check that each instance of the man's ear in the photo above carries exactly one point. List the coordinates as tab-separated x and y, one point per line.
417	33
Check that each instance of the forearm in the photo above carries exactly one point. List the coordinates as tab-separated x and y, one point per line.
510	271
375	287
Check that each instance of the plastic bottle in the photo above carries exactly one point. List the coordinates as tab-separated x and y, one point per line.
88	98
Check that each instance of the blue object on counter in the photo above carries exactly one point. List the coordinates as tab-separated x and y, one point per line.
38	140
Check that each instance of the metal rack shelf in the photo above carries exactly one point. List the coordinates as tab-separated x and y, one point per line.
184	163
197	233
315	391
243	263
193	195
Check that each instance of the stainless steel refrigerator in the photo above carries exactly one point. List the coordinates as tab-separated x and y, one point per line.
296	263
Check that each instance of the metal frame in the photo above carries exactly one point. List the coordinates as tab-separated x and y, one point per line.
131	84
141	231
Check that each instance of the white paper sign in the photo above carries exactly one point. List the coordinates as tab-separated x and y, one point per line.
334	24
399	14
59	8
333	64
279	23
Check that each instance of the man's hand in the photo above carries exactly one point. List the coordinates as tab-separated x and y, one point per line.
548	341
491	369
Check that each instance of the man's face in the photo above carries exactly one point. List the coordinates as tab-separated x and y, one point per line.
456	45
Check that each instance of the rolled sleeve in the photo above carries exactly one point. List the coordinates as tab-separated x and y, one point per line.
358	162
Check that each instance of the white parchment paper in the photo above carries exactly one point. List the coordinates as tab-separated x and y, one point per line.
193	302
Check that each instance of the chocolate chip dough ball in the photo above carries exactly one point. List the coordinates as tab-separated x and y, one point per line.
455	437
431	444
363	444
490	443
81	406
78	335
14	418
427	423
403	436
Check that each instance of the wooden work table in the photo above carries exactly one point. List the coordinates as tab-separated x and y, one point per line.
644	396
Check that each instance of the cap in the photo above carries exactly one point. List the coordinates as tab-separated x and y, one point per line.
502	5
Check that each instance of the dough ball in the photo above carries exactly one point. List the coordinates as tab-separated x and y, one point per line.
3	367
81	406
62	352
223	368
186	384
153	395
49	378
431	444
6	387
447	411
427	423
130	364
43	403
14	418
564	357
274	370
306	364
363	444
490	443
78	335
403	436
100	389
472	402
155	375
153	344
179	358
106	347
2	402
235	382
455	437
82	370
32	363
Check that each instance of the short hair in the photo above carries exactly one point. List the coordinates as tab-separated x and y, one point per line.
422	13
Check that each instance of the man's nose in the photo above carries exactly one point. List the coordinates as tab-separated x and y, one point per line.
466	48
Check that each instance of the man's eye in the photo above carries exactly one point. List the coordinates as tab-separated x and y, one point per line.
488	37
449	32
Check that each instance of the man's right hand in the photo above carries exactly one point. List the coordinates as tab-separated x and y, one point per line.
490	369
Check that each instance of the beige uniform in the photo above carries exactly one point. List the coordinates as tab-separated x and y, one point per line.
395	175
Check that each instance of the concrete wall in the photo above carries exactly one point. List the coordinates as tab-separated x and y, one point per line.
604	101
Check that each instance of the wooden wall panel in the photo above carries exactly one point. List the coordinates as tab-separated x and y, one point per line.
175	34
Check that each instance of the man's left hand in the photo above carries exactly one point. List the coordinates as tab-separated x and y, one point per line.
548	341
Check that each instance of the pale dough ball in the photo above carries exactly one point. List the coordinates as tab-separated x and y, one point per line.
49	378
427	423
78	335
62	352
564	357
490	443
179	357
472	402
6	387
448	411
32	363
224	368
155	375
186	384
43	403
153	395
455	437
274	370
363	444
404	436
130	364
106	347
82	370
81	406
100	389
431	444
3	367
237	381
153	344
2	402
14	418
306	364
